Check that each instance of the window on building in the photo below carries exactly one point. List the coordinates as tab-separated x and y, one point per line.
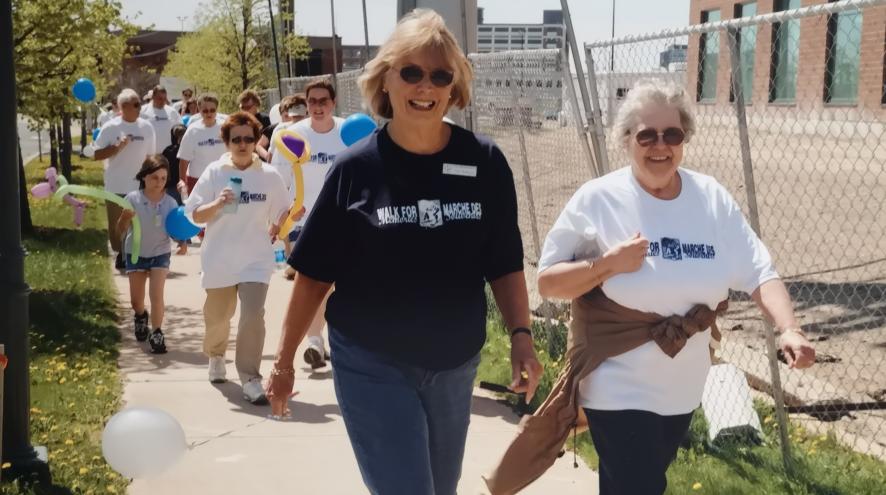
533	42
535	30
484	29
518	30
502	29
785	54
501	41
484	40
843	54
710	59
747	47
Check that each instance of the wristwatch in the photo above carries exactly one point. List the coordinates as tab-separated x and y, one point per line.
517	330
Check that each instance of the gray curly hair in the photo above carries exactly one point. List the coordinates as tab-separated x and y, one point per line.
645	92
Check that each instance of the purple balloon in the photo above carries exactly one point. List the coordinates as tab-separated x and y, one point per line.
293	144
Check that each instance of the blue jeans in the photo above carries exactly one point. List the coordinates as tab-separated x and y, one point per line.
407	425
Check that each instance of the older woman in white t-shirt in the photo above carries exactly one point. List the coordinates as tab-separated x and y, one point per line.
657	238
237	257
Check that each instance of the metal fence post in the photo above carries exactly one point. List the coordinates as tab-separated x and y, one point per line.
527	179
593	165
750	188
598	135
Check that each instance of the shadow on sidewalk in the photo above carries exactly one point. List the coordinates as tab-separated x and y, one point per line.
493	408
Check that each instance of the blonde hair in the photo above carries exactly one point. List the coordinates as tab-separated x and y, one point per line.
419	30
644	93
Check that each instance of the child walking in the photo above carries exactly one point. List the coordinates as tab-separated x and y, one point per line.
151	203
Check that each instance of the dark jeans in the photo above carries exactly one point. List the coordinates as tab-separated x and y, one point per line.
407	425
635	449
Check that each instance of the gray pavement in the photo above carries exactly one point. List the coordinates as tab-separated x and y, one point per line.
237	449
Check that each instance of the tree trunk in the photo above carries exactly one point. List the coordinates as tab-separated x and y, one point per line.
82	129
53	146
67	169
27	227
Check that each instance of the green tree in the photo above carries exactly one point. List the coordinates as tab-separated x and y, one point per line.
231	50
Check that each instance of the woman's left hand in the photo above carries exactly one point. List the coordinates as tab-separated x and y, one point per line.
798	351
526	370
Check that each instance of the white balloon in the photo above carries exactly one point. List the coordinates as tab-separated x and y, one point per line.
142	442
89	150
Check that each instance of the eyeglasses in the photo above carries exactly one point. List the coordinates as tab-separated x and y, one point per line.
413	74
672	136
243	139
318	101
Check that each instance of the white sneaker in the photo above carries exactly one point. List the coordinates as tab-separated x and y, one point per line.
315	355
217	369
254	393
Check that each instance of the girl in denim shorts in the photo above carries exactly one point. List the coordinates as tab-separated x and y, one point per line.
151	203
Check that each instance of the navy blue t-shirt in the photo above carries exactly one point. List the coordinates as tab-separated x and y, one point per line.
409	241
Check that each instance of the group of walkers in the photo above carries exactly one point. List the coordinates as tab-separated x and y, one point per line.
398	238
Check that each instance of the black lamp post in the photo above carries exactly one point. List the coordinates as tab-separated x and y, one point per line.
17	450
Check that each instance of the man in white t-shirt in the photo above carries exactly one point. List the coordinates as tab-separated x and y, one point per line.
161	117
110	111
202	143
323	133
125	142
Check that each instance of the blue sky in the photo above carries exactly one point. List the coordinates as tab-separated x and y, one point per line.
591	18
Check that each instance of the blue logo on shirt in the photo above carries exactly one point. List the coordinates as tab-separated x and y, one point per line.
674	250
246	197
322	158
210	142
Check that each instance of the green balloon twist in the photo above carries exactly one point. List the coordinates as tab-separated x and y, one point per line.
97	193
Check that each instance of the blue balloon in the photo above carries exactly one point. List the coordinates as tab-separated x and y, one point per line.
356	127
83	90
185	119
95	134
179	226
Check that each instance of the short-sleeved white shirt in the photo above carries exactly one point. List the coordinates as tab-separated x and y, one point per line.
201	146
120	169
700	247
237	247
324	148
162	120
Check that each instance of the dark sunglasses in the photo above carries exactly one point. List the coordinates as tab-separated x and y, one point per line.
243	139
672	136
413	74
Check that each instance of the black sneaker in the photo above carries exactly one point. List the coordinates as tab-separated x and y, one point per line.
158	342
119	264
141	326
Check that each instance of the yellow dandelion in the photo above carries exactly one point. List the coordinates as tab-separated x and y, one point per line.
62	380
5	465
84	470
34	410
696	486
53	427
767	420
812	451
83	372
111	489
69	442
111	476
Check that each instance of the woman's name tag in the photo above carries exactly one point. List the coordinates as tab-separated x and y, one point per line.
462	170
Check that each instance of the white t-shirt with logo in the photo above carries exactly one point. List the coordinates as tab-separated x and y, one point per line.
162	119
201	146
120	169
700	247
324	148
237	247
279	161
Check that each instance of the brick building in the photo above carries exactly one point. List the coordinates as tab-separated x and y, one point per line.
824	63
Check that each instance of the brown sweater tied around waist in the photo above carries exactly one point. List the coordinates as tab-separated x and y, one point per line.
600	329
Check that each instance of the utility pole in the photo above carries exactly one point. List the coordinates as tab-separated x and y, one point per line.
334	50
276	53
25	462
182	19
366	56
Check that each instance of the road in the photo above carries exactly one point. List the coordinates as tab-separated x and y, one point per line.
29	139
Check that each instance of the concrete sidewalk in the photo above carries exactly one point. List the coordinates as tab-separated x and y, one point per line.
236	449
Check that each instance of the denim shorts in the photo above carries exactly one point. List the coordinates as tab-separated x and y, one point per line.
161	261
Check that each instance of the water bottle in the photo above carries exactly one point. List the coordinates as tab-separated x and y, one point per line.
279	256
236	185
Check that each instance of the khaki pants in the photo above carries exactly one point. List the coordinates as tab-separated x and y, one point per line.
114	210
217	313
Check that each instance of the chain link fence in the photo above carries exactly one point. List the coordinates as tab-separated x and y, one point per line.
798	137
790	118
347	92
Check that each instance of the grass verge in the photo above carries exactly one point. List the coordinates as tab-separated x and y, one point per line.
75	384
823	466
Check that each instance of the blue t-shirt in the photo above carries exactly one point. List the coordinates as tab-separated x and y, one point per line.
409	241
152	216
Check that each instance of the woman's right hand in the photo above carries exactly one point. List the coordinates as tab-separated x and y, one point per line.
226	196
279	391
127	214
627	256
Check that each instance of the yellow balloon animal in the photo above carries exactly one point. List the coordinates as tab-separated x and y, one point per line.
297	151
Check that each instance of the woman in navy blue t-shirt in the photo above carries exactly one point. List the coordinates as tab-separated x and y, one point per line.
411	224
